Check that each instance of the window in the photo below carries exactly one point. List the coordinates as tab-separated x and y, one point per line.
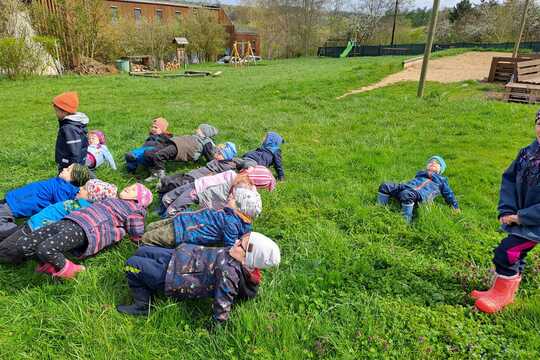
137	12
159	15
178	15
114	14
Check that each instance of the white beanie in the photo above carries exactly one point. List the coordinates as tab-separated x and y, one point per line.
262	252
248	201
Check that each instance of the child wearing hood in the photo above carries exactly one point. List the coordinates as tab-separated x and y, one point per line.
157	139
86	232
269	154
94	190
212	191
208	226
98	152
71	141
426	185
34	197
519	215
182	148
193	272
224	160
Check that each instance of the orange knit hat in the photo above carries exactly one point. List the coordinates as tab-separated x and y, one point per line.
68	101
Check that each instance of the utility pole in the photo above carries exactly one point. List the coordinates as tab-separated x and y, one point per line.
394	26
522	28
427	50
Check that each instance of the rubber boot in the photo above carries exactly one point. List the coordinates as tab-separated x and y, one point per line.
383	199
407	211
156	175
502	293
141	303
69	271
45	268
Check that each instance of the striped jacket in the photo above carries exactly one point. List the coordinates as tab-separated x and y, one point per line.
107	222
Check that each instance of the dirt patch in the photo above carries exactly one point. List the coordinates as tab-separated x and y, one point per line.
469	66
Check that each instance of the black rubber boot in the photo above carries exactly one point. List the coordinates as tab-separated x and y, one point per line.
141	303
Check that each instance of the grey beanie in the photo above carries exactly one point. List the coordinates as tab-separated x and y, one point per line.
248	202
208	130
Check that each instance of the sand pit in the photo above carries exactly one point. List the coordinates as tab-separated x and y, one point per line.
473	65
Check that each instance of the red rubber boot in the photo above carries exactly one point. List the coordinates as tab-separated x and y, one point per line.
502	293
69	271
45	268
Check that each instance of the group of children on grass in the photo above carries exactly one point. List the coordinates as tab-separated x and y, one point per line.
210	252
213	251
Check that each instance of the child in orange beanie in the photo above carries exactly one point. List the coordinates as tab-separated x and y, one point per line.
72	138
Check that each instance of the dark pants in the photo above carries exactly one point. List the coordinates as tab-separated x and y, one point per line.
178	199
157	158
510	255
7	220
403	193
47	244
169	183
147	268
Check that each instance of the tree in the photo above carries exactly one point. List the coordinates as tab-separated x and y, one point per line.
207	38
462	8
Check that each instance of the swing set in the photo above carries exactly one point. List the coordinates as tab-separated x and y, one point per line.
244	57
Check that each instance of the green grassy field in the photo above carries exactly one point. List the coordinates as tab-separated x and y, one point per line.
355	281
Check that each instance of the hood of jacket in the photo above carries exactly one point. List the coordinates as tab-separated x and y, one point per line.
272	141
78	117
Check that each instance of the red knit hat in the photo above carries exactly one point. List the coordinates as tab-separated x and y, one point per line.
68	101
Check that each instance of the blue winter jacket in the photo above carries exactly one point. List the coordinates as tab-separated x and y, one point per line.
209	227
72	140
56	212
520	193
269	153
32	198
429	187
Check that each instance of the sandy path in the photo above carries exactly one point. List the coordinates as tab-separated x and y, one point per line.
469	66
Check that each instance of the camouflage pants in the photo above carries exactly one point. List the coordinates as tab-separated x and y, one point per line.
160	233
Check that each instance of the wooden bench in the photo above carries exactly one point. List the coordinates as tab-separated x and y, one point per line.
524	85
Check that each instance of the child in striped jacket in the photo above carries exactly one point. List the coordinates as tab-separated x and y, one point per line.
86	232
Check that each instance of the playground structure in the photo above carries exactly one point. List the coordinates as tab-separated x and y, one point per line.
244	56
350	45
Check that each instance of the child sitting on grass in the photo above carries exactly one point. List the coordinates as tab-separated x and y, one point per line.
71	141
182	148
212	192
208	226
86	232
194	272
269	154
98	152
34	197
94	190
519	215
426	186
157	139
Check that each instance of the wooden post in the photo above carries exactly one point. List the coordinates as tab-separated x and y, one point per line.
522	28
394	26
427	50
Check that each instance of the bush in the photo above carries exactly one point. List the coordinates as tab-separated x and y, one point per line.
18	59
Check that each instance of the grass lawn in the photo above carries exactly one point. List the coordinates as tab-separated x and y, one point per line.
355	281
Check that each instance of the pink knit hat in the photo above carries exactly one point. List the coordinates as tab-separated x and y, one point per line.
261	177
99	190
144	196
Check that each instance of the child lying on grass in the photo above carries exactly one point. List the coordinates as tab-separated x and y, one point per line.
213	191
425	186
34	197
269	154
157	139
85	232
208	226
93	190
98	152
182	148
223	160
194	272
519	215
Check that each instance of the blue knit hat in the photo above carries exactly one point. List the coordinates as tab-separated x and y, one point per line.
228	150
441	162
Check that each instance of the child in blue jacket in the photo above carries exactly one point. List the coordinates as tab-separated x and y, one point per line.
268	154
519	215
158	138
425	186
32	198
208	226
